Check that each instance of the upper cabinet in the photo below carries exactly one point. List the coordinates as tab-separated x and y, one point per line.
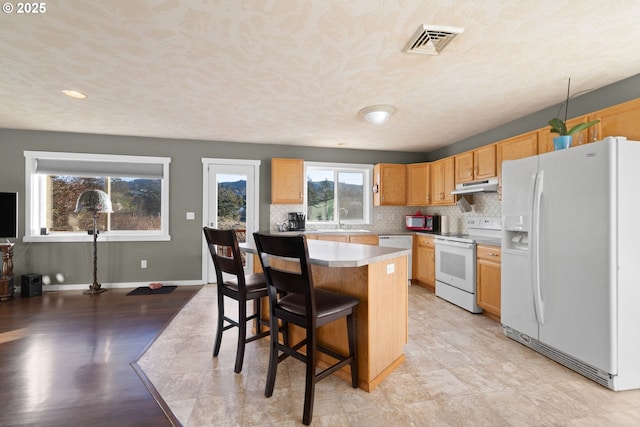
476	165
389	184
518	147
619	120
287	181
419	184
443	181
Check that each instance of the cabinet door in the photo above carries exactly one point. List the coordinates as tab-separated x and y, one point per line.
464	167
364	239
484	162
518	147
333	237
287	181
390	184
424	262
443	181
545	137
488	279
418	184
619	120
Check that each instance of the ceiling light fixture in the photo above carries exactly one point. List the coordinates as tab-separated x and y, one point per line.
377	114
74	94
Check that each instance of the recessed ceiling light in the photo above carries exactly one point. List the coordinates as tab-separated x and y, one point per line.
74	94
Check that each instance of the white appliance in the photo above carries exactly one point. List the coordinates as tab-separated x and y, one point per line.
571	258
456	261
402	241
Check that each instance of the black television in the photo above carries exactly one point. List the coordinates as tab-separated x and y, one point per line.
8	215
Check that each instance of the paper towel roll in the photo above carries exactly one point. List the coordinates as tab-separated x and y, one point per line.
444	224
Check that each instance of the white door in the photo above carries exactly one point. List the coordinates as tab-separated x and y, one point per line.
230	201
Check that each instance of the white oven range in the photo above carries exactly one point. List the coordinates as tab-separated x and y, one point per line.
456	261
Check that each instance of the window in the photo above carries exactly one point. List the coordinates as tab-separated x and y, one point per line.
338	193
137	185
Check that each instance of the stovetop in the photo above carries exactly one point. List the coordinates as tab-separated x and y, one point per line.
485	230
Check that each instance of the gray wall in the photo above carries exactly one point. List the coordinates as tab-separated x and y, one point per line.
624	90
178	259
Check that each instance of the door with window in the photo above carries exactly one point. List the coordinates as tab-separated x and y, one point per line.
231	202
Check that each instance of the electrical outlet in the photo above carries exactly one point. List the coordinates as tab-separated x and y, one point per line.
391	268
143	263
191	216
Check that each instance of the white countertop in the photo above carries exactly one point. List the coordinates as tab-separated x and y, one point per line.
337	254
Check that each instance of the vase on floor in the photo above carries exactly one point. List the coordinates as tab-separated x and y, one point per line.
562	142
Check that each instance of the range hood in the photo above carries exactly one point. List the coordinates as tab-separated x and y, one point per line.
485	186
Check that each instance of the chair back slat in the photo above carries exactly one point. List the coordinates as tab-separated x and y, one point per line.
228	241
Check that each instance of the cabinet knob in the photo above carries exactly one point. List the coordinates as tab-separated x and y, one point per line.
491	254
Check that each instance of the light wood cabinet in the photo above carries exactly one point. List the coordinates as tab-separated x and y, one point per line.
390	184
514	148
476	165
287	181
488	280
419	184
361	238
619	120
464	167
424	260
443	181
364	239
343	238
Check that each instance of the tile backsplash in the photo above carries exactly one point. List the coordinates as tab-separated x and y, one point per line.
391	218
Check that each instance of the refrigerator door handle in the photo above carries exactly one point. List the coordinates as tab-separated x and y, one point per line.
535	249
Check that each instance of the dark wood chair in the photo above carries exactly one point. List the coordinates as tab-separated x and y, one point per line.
223	246
293	299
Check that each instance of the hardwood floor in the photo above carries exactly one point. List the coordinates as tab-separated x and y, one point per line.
65	357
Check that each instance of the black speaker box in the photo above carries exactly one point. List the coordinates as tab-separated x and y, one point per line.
31	285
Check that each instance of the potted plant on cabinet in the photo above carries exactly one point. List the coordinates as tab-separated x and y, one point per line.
565	136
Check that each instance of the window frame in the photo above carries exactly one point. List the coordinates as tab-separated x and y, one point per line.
367	203
35	185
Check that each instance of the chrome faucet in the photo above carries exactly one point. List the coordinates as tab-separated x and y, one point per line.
346	215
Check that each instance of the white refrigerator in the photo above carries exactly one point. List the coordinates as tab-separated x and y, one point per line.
571	258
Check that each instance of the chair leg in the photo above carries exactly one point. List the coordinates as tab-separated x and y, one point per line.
353	349
216	347
273	357
257	308
310	382
242	335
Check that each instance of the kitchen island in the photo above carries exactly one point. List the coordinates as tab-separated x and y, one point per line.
378	277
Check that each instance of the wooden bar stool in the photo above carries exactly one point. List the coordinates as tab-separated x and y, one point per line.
293	299
223	246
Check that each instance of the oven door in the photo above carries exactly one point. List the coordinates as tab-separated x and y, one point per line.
456	264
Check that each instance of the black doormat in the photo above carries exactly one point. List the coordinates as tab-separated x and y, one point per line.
145	290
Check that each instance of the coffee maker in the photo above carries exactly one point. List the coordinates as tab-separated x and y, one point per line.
296	221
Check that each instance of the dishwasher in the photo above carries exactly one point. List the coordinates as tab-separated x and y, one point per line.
402	241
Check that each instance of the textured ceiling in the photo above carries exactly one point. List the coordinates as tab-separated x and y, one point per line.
298	71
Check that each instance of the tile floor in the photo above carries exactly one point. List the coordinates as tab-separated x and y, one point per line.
460	370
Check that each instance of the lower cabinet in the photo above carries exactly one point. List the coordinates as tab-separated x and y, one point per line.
488	280
424	261
363	239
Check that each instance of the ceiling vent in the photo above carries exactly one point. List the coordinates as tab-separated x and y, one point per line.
431	39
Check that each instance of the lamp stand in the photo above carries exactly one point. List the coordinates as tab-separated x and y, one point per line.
96	287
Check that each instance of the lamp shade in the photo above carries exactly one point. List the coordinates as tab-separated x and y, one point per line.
94	201
377	114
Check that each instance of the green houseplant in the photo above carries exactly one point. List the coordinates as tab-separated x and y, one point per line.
559	126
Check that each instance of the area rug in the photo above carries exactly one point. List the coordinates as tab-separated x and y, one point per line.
145	290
